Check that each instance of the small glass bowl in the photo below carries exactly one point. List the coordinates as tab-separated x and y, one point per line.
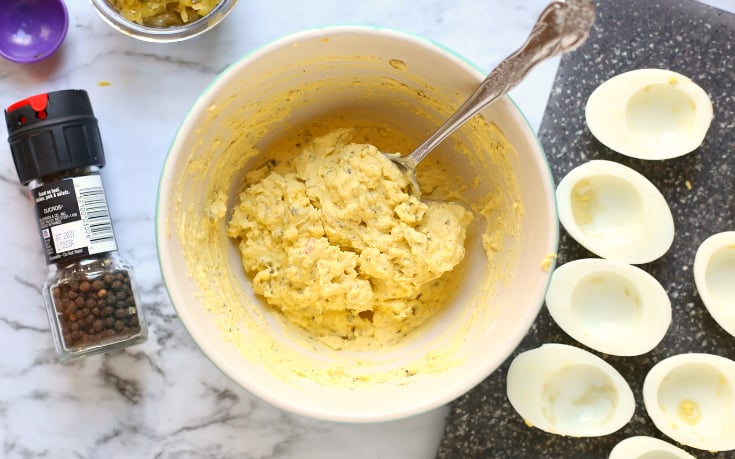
163	34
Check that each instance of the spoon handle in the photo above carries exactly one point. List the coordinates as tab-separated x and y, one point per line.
562	27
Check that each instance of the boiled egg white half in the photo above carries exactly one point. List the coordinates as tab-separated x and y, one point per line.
615	212
566	390
714	275
642	447
649	114
609	306
691	398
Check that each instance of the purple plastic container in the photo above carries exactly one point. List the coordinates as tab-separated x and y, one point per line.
31	30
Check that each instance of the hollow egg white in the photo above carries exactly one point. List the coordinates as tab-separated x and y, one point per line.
615	212
642	447
609	306
649	114
714	276
566	390
691	399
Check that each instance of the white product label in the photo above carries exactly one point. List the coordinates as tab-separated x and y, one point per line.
74	218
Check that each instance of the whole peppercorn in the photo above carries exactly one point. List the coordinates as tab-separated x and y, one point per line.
95	308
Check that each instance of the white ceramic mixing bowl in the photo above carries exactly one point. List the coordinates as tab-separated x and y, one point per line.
410	85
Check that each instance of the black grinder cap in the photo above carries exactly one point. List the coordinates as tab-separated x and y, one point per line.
53	132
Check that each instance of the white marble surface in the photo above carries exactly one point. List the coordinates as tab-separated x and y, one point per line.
164	398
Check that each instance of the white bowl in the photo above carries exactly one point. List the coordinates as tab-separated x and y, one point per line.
401	87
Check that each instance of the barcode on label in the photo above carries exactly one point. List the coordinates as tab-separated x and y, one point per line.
95	214
98	216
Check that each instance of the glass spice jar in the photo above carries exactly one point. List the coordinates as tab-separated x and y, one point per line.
90	293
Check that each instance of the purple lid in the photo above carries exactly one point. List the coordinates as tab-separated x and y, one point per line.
31	30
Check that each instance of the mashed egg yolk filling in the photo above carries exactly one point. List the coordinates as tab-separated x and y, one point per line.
335	241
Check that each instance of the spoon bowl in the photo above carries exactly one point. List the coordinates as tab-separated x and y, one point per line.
31	30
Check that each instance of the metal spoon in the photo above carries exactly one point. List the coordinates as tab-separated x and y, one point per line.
562	27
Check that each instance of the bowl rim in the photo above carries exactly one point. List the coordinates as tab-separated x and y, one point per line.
396	412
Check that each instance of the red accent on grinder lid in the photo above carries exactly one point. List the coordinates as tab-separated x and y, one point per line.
38	103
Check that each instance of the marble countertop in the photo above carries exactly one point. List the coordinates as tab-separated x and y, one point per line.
164	398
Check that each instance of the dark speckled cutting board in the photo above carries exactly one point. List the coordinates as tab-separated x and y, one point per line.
697	41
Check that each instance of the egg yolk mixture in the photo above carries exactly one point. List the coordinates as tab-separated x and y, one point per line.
163	13
335	241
